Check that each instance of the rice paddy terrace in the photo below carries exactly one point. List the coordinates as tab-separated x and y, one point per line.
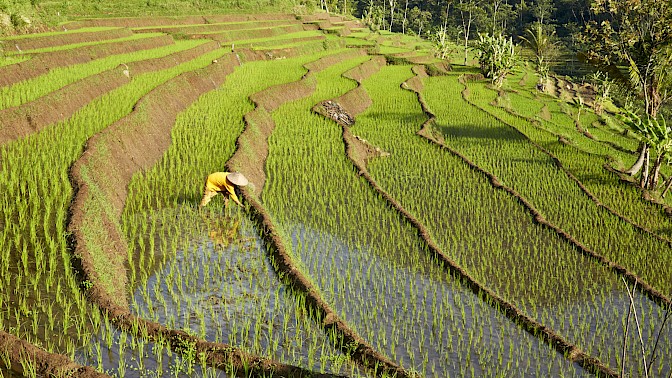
404	219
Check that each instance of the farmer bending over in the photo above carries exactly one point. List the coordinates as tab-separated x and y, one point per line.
225	183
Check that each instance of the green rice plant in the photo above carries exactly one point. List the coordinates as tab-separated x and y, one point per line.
54	33
383	283
640	252
30	191
205	282
585	157
467	130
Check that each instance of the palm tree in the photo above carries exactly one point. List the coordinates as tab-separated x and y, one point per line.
542	46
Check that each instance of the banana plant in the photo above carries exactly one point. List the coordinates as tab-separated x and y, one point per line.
655	133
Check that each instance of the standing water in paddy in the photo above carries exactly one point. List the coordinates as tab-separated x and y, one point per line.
217	284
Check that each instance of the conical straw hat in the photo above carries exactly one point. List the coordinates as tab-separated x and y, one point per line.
237	178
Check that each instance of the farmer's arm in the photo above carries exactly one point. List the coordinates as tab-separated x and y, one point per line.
233	196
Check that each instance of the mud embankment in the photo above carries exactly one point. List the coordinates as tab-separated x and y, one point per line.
251	157
212	28
31	117
571	351
101	177
46	364
67	38
44	62
138	22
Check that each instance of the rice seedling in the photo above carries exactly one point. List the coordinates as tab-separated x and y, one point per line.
383	284
588	289
84	44
38	243
210	274
576	213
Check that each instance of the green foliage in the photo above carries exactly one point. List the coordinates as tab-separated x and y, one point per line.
636	34
542	46
496	56
654	132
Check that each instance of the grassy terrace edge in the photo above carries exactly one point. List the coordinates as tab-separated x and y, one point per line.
26	119
89	178
647	289
347	339
356	102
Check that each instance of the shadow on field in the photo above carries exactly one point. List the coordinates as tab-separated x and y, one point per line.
468	131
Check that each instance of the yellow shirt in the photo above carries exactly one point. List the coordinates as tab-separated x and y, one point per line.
217	181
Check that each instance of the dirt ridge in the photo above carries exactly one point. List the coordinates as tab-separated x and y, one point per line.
570	351
135	22
46	363
209	27
103	172
42	63
233	35
350	341
33	116
37	42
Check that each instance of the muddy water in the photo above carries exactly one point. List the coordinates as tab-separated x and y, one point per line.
228	292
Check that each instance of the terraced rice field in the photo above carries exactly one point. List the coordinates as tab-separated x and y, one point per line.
402	219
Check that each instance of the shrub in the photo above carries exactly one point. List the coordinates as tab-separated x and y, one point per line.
497	57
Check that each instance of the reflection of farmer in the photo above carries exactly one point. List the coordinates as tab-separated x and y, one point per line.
225	183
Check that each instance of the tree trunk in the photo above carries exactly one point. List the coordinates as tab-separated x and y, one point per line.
643	148
645	170
653	180
467	28
668	185
392	6
403	24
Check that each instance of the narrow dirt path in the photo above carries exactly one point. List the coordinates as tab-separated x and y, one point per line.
251	155
101	177
31	117
42	63
45	363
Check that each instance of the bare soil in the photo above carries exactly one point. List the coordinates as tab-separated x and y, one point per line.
210	28
233	35
46	364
